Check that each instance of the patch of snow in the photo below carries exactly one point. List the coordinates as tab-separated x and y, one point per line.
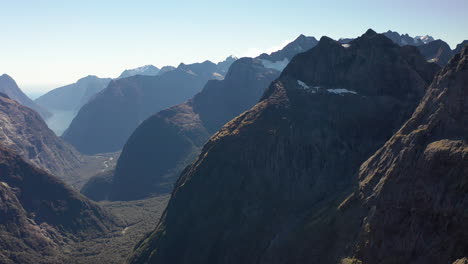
340	91
278	65
306	87
347	45
218	76
425	39
303	84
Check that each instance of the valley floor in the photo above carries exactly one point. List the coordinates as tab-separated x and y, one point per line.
141	217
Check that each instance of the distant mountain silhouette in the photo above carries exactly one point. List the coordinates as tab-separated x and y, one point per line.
9	87
106	122
73	96
405	39
148	70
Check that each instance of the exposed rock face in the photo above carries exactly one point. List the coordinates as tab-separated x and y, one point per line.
266	187
459	47
106	122
437	51
73	96
164	144
23	130
9	87
415	188
39	213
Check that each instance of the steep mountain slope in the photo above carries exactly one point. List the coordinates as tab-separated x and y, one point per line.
73	96
167	142
9	87
24	131
164	144
415	188
437	51
39	214
148	70
265	185
105	123
459	47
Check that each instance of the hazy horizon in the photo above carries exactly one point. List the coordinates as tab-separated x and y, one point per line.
54	43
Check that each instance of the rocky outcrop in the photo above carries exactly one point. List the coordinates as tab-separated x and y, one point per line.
459	47
414	189
9	87
105	123
24	131
266	187
39	214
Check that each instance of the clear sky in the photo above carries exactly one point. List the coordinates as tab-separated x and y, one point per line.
49	43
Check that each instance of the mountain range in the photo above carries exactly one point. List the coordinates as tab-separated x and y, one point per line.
266	188
165	143
337	152
148	70
105	123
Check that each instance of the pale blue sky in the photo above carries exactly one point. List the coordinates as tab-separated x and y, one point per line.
45	44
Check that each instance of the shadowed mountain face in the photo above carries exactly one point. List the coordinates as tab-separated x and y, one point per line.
437	51
72	97
23	130
106	122
266	187
64	102
164	144
39	214
9	87
412	196
167	142
459	47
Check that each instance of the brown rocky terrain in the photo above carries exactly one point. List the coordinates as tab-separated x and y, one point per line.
266	187
9	87
39	214
23	130
415	188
